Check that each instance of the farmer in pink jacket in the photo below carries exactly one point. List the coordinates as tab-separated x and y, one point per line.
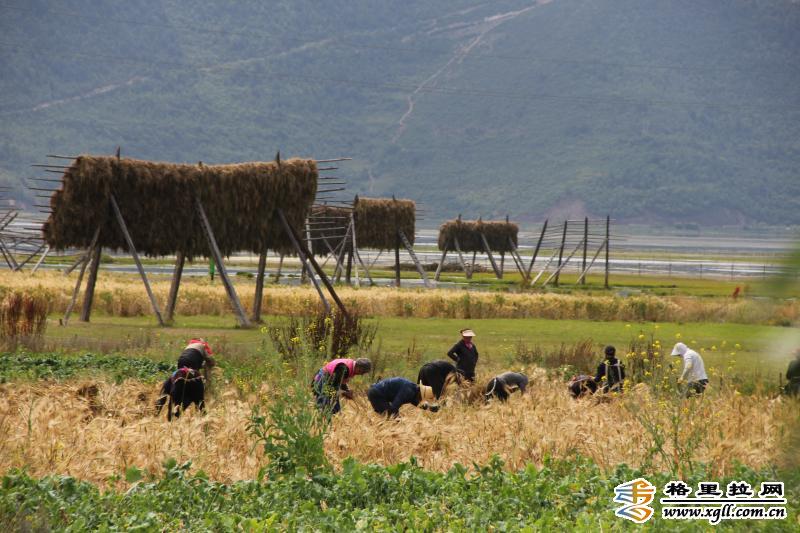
331	381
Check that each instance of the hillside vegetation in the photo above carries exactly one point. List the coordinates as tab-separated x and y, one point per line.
651	111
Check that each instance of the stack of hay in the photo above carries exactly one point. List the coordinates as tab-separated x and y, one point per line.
157	201
499	235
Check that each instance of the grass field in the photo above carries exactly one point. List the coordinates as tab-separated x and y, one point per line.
82	448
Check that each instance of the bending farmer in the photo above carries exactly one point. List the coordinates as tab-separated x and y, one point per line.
388	395
331	381
694	371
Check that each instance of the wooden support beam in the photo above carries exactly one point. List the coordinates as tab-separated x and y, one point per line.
586	270
410	250
314	265
562	265
262	266
560	254
441	262
397	261
91	282
517	260
177	273
536	250
84	261
608	245
223	272
135	254
280	269
31	256
585	247
467	271
79	261
41	259
472	268
544	269
76	290
491	257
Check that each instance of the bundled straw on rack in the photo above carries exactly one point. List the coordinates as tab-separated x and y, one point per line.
157	201
499	235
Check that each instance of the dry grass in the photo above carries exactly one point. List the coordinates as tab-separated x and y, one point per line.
120	295
93	434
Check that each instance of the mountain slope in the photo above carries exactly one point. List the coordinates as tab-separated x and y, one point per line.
651	111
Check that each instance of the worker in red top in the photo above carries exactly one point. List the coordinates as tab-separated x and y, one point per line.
331	381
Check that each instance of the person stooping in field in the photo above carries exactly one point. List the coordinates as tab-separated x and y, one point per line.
331	381
185	386
582	385
611	372
694	371
465	354
438	375
388	395
792	388
502	385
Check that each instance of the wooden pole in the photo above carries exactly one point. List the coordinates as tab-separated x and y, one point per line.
560	253
280	268
262	266
353	252
542	271
461	258
134	253
337	274
315	266
585	247
472	268
88	297
410	250
41	259
84	262
31	256
223	272
517	259
502	264
349	270
491	257
76	290
536	250
608	245
397	261
441	262
586	270
180	261
555	274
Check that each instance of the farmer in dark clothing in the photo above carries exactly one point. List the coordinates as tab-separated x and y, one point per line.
331	381
195	357
465	354
438	375
793	377
388	395
503	385
611	372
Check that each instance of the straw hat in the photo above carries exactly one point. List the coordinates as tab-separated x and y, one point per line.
467	333
425	393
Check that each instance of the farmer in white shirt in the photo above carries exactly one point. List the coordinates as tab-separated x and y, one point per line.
694	372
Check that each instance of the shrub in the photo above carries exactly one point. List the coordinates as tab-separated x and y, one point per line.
23	318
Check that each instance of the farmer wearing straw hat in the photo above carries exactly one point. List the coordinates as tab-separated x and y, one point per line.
465	354
388	395
331	381
694	371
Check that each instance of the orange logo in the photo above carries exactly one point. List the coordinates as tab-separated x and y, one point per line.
635	497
